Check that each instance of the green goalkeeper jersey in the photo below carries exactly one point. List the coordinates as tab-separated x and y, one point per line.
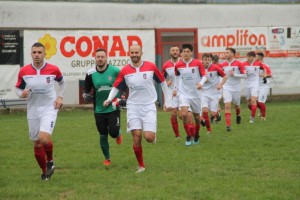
102	83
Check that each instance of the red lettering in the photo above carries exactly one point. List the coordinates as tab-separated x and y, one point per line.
68	39
230	40
117	46
79	49
133	39
252	39
98	44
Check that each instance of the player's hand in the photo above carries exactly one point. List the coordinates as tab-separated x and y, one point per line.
231	72
88	98
219	87
174	93
199	86
106	103
169	82
167	107
25	93
264	80
58	102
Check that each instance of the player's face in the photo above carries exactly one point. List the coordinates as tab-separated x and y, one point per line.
38	54
229	55
174	52
101	58
206	62
250	59
259	58
187	54
135	53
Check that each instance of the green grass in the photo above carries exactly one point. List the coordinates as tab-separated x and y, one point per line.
253	161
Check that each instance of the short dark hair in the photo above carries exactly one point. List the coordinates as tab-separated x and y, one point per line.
231	49
260	54
206	55
174	45
251	54
187	46
38	44
215	57
101	49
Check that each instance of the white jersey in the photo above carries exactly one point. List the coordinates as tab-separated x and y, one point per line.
252	70
42	93
214	73
140	82
265	85
232	83
169	73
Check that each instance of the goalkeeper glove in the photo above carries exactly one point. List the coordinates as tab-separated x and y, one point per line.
88	98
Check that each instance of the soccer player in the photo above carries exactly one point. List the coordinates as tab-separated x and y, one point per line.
215	60
210	90
141	108
101	79
169	74
36	82
252	68
190	77
264	87
234	71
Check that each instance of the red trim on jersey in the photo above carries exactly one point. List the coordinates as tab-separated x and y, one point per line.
255	63
193	63
214	67
168	64
234	63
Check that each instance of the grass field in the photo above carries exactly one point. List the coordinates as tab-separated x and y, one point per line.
253	161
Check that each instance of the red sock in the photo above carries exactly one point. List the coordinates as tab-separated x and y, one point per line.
207	122
227	118
197	129
192	129
48	150
174	123
253	110
139	155
40	157
249	106
187	130
237	111
263	108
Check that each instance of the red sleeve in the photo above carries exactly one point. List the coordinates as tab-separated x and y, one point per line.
58	75
220	71
120	80
242	67
163	71
175	70
20	83
201	69
158	77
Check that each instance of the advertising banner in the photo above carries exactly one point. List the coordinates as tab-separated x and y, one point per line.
9	47
73	51
8	79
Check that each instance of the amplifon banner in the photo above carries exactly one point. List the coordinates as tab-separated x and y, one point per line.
216	40
74	51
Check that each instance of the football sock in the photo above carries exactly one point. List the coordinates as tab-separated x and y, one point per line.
40	157
48	150
207	122
227	118
249	106
237	111
197	129
187	130
104	146
263	108
139	155
174	123
253	110
192	129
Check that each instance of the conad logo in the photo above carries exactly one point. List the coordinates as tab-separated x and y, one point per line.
240	38
85	46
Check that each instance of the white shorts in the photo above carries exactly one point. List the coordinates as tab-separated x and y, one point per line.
232	96
210	101
142	117
45	124
263	94
220	94
175	102
251	92
194	104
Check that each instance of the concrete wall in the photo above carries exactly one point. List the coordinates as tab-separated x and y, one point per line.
64	15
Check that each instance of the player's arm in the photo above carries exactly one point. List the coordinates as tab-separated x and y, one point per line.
242	72
118	85
176	80
159	78
20	87
224	78
203	77
60	92
87	87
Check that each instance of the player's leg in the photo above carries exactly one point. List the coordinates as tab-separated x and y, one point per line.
205	104
114	126
227	96
47	125
184	109
236	99
174	122
253	100
102	127
134	125
191	122
262	98
196	110
213	108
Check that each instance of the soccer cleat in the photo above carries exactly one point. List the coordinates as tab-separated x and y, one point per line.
119	139
140	169
106	163
50	169
203	123
228	128
238	119
251	120
219	117
196	140
262	119
188	141
212	119
44	177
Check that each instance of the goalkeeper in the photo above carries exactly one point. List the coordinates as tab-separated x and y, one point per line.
101	79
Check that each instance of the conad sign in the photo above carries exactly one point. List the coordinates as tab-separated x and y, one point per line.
74	51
